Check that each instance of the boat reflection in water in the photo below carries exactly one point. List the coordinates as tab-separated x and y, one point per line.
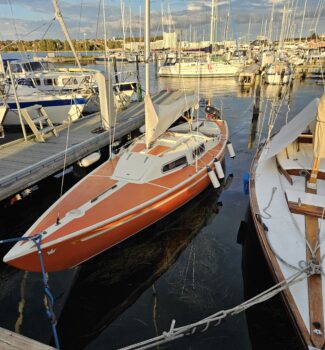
110	283
269	325
209	87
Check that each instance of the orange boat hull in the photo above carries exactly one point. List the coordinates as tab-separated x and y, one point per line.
91	243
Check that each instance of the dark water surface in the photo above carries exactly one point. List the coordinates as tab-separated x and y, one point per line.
185	267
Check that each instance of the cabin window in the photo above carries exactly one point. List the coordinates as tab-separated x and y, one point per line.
37	81
16	68
55	81
66	81
48	82
198	151
174	164
69	81
33	67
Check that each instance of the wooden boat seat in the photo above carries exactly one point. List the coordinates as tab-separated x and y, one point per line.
291	162
305	138
305	203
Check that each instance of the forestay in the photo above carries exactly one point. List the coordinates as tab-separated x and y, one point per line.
291	130
159	117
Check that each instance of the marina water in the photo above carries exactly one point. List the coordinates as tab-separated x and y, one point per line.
185	267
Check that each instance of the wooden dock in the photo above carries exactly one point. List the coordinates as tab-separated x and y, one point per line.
248	75
24	163
11	340
310	71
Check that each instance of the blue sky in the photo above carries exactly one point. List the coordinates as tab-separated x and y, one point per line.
20	17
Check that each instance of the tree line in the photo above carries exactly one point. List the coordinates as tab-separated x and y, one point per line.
63	45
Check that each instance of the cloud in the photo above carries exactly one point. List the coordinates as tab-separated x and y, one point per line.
30	14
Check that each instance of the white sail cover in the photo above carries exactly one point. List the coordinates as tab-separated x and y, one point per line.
319	138
291	130
159	117
106	99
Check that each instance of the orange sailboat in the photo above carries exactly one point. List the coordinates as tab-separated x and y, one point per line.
158	173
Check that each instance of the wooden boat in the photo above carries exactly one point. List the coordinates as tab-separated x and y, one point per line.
287	198
155	175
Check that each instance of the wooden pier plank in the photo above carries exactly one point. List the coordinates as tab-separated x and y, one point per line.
11	340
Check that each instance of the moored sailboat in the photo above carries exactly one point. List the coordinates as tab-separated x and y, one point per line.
287	198
158	173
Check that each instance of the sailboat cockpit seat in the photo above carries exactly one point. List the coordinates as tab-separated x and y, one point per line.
305	138
304	203
296	161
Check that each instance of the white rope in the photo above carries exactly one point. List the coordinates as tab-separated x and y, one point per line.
215	319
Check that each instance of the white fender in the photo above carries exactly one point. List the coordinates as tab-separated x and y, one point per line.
213	178
89	160
142	129
231	150
219	169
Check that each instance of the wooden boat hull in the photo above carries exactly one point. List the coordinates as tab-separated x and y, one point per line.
271	259
294	301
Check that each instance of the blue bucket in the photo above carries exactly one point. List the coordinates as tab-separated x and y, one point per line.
246	182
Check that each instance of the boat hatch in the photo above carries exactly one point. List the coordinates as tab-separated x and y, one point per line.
174	164
134	167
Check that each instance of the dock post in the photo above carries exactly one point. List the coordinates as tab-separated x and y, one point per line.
115	70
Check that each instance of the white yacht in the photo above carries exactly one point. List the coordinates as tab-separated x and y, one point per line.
278	73
58	107
197	68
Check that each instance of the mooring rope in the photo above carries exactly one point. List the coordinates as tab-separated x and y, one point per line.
49	305
203	325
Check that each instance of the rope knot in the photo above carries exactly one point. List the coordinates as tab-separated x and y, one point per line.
311	267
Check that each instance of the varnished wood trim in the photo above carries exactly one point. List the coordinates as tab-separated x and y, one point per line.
283	172
315	294
297	172
306	209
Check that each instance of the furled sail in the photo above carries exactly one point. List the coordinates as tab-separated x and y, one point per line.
291	130
319	137
159	117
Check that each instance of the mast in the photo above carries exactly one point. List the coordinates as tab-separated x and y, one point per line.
162	18
303	19
59	17
282	27
227	19
105	40
212	24
123	23
147	45
249	28
140	24
271	23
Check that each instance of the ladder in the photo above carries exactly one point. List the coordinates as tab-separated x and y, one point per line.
39	122
3	113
